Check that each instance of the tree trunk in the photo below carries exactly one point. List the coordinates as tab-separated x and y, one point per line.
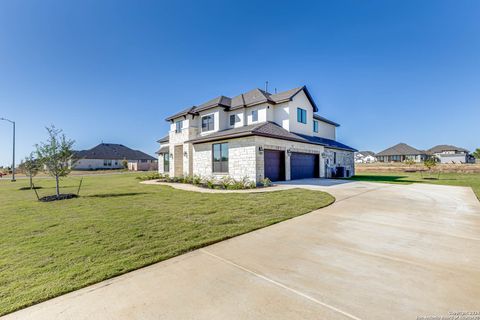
57	186
31	182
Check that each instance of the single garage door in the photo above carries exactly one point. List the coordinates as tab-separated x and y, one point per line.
304	165
274	164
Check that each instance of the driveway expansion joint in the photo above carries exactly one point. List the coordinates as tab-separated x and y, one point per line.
281	285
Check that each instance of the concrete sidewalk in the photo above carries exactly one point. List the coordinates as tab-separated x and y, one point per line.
380	252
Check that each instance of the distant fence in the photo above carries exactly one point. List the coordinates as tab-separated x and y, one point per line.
401	167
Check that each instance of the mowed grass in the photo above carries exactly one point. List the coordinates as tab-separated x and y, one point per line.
118	225
452	179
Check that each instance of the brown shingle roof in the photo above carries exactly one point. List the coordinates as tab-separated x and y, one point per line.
164	149
271	130
164	139
247	99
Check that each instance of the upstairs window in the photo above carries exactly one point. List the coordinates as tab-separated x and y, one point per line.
315	126
207	123
254	115
178	126
220	157
233	119
301	115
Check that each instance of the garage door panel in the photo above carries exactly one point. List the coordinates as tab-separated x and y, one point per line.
304	165
274	165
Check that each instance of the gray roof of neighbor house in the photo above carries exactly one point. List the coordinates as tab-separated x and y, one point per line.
247	99
446	147
271	130
401	149
112	151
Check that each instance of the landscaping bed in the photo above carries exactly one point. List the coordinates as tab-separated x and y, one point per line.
221	183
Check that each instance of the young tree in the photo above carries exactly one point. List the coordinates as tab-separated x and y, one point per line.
476	153
30	166
56	155
125	164
409	162
430	163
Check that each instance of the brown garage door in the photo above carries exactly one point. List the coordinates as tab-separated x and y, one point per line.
274	165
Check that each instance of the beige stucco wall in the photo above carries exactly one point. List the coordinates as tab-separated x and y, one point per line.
301	101
325	130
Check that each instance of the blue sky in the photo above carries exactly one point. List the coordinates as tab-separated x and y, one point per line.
387	71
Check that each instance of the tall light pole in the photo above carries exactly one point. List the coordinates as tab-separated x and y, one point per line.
13	161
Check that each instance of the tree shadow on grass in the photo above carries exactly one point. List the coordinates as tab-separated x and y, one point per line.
113	195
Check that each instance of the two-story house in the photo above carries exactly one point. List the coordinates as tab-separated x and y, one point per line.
255	135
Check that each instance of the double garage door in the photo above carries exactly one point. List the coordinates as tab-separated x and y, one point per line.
302	165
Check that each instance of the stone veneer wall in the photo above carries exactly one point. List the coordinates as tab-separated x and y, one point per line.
245	159
241	159
344	159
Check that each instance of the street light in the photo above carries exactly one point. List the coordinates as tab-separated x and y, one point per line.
13	161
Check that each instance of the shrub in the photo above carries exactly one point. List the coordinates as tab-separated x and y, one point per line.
246	182
196	180
251	185
209	182
266	182
150	176
225	182
176	179
188	179
235	185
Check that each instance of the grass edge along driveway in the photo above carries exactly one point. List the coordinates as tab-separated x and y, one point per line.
471	180
119	225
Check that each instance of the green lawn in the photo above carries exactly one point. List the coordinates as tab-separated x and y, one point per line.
118	225
453	179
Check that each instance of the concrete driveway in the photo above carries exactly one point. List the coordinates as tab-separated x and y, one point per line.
380	252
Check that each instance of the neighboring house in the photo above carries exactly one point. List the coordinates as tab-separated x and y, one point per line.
255	135
451	154
401	152
111	156
365	157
